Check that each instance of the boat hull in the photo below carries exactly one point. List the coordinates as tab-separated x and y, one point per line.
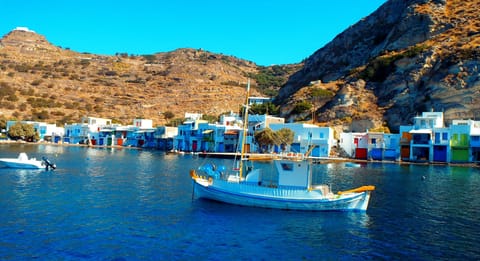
288	199
15	163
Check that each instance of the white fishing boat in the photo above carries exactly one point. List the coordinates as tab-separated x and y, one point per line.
292	190
23	162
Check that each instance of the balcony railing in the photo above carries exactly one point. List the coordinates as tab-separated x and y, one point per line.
459	143
441	142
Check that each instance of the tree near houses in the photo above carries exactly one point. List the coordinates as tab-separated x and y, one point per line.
23	131
284	137
168	115
3	123
265	138
264	108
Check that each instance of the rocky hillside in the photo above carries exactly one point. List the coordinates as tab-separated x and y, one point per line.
407	57
40	81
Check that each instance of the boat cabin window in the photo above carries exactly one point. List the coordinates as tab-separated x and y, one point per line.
287	166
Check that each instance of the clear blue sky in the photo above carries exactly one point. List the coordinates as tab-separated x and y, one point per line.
263	31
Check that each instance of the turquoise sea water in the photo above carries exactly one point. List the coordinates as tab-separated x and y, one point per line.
127	204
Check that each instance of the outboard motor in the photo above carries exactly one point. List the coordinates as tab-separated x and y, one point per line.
48	164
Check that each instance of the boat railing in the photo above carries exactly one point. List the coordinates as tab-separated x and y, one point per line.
325	189
292	156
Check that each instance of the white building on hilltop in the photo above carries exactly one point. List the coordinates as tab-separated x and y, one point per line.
24	29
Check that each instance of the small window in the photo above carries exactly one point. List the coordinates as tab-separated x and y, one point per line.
445	136
374	141
287	166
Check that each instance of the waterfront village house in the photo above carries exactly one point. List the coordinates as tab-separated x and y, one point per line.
417	140
441	144
106	136
199	135
475	142
370	145
465	141
391	146
354	144
255	123
429	140
187	132
234	132
86	131
164	136
225	135
233	127
306	135
46	132
140	134
210	138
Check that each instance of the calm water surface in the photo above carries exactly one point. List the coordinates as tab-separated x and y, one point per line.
128	204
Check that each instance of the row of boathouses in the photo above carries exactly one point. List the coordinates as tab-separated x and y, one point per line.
427	140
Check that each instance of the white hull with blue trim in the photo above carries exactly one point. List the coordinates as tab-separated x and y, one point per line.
245	195
22	162
292	192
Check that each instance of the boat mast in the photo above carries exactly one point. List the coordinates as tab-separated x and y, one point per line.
245	129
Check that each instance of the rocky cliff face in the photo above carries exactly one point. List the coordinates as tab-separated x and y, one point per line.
405	58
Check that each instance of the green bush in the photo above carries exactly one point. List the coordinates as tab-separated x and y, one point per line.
36	82
40	115
301	107
270	79
265	108
321	93
6	90
22	131
150	58
210	118
378	69
42	103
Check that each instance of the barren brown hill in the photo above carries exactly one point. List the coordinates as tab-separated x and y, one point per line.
39	81
407	57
